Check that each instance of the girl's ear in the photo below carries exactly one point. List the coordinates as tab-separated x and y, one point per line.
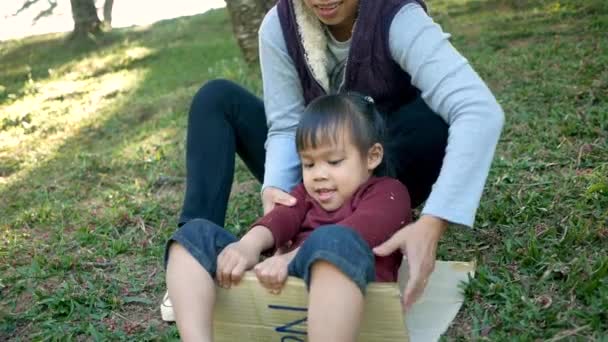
374	156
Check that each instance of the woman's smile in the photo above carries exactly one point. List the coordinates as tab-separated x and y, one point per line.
329	10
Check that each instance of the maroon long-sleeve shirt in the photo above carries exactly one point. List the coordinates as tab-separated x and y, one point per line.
379	208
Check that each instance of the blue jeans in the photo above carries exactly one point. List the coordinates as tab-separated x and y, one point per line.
338	245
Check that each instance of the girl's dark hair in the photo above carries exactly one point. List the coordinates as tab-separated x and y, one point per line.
326	116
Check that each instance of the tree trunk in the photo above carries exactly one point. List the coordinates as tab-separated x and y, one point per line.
85	18
107	13
268	4
246	18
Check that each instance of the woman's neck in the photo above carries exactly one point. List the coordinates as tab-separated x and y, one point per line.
344	30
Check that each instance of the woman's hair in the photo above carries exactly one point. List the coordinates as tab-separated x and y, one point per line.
328	116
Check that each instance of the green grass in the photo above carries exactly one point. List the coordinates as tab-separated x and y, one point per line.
92	172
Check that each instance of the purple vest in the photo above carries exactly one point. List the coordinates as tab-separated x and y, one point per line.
370	68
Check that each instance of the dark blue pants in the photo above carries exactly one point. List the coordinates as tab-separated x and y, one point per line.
340	246
225	119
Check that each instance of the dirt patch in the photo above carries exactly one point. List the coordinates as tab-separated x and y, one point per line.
461	326
134	318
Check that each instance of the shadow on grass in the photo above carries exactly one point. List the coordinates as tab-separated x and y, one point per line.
111	191
185	53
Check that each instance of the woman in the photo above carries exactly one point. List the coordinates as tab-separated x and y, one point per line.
443	121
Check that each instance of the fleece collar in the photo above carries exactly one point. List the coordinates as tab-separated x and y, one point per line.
314	42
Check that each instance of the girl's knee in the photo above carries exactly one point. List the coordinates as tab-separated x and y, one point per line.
339	239
202	233
202	239
340	247
198	227
177	249
331	233
324	270
178	257
177	253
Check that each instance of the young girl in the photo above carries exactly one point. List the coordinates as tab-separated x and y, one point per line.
344	209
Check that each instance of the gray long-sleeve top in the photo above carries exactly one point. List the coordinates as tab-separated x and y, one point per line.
449	86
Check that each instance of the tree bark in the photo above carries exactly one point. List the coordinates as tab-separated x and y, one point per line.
268	4
107	13
85	18
246	16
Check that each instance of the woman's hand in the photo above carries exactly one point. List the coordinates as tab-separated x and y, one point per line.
233	261
418	242
272	272
272	196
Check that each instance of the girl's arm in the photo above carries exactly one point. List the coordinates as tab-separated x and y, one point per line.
452	89
289	256
382	210
258	239
273	271
237	257
284	222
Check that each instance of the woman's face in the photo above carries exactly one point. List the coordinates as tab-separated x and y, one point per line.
338	15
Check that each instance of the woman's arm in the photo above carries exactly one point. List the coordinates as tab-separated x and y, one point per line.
454	91
283	103
450	87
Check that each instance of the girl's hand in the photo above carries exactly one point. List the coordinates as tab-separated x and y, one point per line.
272	196
233	261
272	272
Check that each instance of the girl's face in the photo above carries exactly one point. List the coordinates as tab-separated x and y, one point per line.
332	172
338	15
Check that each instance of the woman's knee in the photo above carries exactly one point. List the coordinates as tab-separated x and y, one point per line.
215	93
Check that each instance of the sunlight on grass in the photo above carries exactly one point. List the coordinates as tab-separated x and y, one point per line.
54	110
147	148
8	238
100	63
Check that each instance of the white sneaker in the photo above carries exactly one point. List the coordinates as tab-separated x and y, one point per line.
166	309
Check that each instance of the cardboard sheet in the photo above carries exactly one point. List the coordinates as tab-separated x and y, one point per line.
436	309
249	313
